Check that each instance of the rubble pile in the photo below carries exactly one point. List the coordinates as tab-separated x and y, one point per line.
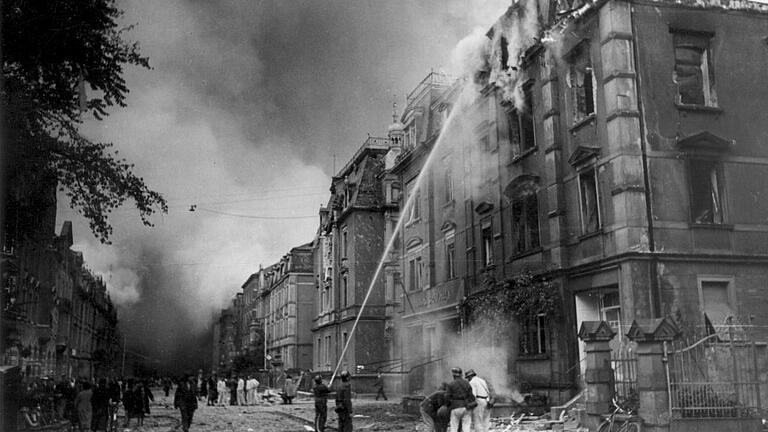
524	422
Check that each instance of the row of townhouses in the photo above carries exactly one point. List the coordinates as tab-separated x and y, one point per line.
614	148
57	317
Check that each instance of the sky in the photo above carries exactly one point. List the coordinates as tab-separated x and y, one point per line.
246	111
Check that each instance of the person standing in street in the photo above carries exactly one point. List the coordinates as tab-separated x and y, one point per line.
459	400
320	392
221	387
434	411
83	407
100	404
481	415
213	392
380	385
240	391
344	403
186	401
289	390
252	387
232	384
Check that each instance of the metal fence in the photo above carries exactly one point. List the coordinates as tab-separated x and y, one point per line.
624	364
715	376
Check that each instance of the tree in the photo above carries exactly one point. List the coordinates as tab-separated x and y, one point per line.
51	51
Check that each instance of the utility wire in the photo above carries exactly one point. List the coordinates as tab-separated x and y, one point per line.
195	208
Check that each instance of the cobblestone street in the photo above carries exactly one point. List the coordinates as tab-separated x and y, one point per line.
369	415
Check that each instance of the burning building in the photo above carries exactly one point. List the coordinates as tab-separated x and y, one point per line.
613	148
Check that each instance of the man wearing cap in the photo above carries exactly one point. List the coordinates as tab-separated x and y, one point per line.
434	413
458	395
320	391
481	415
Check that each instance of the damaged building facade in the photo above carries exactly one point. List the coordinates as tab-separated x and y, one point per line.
617	149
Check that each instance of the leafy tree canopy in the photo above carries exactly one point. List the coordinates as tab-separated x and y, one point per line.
52	50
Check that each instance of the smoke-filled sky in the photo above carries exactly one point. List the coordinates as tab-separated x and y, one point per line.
245	106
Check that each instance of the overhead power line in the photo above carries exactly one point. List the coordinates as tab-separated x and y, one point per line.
193	208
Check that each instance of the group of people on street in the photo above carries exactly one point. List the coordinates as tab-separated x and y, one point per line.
465	402
87	406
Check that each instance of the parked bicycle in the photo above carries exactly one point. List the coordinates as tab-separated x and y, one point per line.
620	420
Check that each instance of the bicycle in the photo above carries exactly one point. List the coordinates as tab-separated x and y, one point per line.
620	420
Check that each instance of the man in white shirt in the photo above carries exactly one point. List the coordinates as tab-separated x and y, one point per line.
251	387
481	415
240	391
221	387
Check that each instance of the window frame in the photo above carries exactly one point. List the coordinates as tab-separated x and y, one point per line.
537	346
486	238
582	215
730	281
450	256
702	40
523	203
580	60
718	168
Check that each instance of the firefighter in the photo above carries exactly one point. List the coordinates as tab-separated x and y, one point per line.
460	400
344	403
320	392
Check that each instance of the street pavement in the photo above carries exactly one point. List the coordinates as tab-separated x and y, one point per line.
370	415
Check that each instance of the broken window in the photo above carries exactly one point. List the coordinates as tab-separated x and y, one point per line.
693	72
533	337
504	53
520	124
706	192
716	304
525	222
590	207
581	81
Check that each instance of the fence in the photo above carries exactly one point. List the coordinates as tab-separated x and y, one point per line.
715	376
624	364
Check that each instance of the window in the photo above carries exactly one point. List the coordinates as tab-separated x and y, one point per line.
610	310
693	72
485	143
414	211
487	237
327	351
533	337
448	183
706	192
344	288
414	271
716	304
450	258
581	81
588	198
344	345
525	222
344	243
